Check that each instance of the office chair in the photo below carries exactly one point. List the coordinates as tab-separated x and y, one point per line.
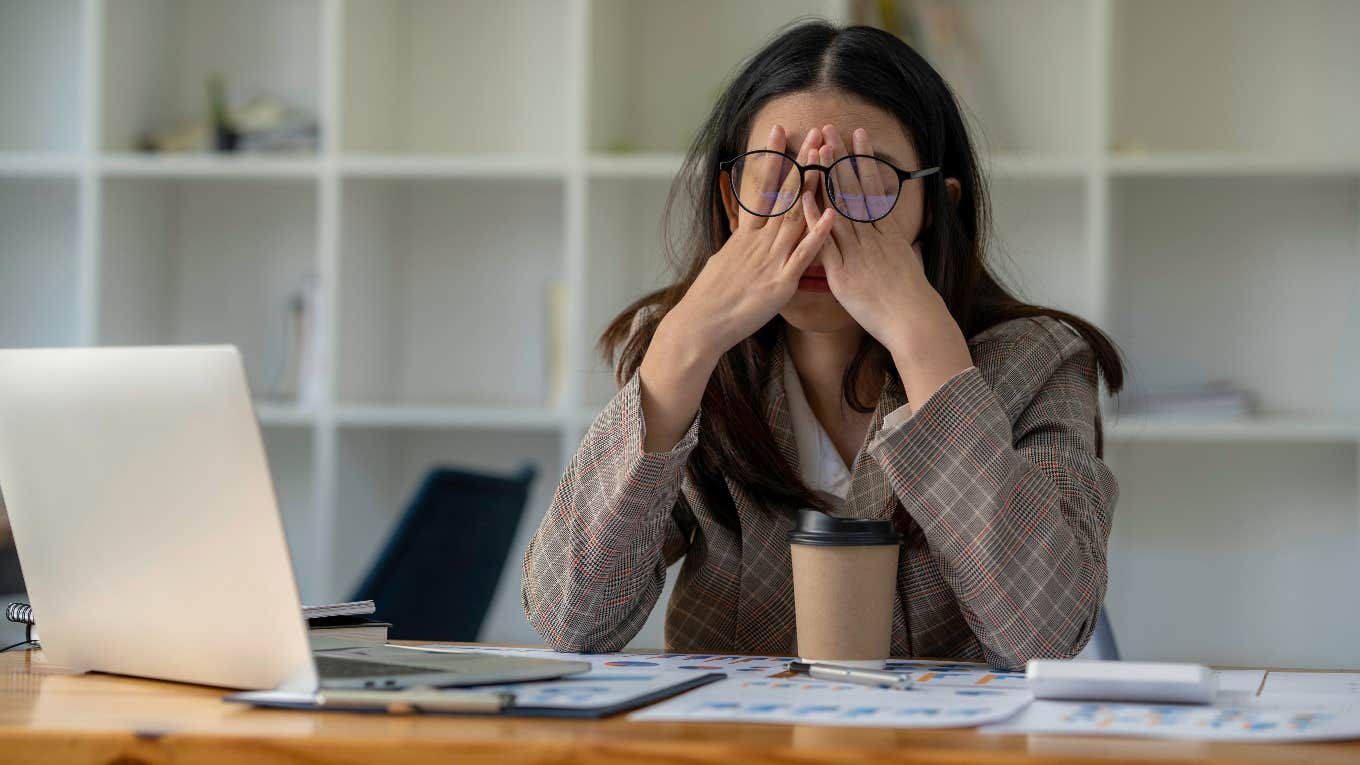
1102	640
435	578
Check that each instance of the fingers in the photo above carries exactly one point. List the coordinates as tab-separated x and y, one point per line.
760	181
842	231
812	215
789	227
807	249
844	178
879	191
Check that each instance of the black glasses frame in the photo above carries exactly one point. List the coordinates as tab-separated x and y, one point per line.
902	177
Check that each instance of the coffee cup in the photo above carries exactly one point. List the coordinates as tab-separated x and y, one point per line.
844	582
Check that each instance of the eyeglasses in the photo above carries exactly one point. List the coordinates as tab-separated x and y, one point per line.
861	187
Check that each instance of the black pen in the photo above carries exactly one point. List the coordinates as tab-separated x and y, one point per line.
878	678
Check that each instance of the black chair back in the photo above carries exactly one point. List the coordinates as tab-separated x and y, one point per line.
438	573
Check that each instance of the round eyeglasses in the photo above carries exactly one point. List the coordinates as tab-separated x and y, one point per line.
861	187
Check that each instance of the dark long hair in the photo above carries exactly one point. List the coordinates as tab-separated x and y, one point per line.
735	441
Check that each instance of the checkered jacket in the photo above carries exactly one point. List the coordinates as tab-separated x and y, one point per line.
994	481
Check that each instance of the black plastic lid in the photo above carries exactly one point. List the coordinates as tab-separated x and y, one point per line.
818	528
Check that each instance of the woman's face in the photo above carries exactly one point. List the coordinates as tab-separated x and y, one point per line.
816	310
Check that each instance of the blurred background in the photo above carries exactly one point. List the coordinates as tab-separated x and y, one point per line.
415	216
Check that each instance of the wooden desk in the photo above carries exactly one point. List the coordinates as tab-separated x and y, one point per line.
49	715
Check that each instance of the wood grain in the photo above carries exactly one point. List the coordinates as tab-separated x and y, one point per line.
50	715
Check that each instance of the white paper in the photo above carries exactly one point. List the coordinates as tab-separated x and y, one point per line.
1243	681
803	702
954	674
760	689
1343	684
1249	722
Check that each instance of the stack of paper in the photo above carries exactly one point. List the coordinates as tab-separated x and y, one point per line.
1290	706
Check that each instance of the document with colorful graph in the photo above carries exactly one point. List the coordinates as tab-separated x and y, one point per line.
927	674
1248	722
800	701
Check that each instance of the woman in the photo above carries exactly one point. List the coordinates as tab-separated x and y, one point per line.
836	341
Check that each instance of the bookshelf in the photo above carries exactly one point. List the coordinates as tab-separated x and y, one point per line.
1182	173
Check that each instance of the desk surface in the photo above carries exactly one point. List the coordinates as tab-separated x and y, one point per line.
48	714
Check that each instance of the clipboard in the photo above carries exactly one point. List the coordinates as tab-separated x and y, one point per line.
565	698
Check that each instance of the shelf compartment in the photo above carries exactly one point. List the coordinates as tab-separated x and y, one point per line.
41	82
624	261
159	55
1040	242
290	454
39	263
500	85
1226	555
1251	280
378	472
1021	71
1224	75
441	302
207	261
650	86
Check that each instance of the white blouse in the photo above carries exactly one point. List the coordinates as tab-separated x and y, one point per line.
819	464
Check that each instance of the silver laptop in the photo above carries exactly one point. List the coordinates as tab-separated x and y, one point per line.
149	535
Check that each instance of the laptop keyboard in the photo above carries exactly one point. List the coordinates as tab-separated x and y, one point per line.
331	667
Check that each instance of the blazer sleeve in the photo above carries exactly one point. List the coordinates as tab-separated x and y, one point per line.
1018	515
594	569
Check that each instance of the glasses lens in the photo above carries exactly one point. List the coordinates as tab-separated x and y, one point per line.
766	182
863	188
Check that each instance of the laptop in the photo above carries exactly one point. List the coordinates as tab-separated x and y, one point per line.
150	538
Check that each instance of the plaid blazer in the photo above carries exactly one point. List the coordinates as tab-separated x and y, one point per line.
994	481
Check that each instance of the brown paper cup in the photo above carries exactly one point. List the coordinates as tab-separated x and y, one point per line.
844	577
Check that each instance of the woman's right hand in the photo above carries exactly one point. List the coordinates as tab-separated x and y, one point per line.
755	273
741	287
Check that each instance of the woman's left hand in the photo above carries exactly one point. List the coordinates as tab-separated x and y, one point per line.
877	274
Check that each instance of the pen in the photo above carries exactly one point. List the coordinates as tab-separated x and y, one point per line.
415	700
879	678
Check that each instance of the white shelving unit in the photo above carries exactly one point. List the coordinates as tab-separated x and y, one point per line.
1185	173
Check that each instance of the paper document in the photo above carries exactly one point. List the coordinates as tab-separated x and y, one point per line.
761	689
953	674
804	702
1294	712
1344	684
1250	722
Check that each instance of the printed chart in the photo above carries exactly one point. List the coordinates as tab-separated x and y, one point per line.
1206	723
819	703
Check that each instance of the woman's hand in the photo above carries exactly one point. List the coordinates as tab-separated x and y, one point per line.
877	274
741	287
747	282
